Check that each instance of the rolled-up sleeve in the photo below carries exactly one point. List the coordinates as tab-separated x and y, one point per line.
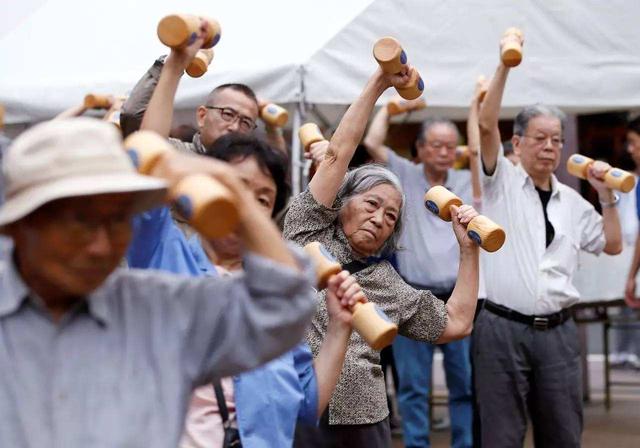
592	237
136	104
303	362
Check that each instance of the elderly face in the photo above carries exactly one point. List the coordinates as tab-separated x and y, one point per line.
234	112
540	146
68	247
264	190
438	147
633	146
368	219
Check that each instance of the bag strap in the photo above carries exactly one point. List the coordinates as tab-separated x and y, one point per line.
356	266
222	404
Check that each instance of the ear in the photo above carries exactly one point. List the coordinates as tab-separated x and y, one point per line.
515	141
201	113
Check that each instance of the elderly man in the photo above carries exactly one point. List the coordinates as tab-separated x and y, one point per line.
526	353
91	355
428	259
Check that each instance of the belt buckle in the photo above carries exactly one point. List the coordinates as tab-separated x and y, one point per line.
540	323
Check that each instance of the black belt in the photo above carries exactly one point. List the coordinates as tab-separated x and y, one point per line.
538	322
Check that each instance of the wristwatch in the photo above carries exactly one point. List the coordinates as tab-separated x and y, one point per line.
616	199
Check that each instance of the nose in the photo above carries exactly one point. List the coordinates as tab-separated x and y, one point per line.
100	245
234	125
377	217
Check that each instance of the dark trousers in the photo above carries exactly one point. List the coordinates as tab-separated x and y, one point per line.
522	372
375	435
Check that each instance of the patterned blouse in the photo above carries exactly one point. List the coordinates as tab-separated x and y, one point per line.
360	396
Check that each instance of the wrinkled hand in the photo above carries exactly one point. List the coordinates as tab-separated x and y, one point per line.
317	152
595	173
630	294
460	217
343	291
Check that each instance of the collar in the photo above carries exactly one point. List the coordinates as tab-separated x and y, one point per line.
14	292
447	182
527	180
197	143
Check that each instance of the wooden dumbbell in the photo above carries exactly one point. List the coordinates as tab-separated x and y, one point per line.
462	158
397	107
511	51
180	30
486	233
615	178
200	63
309	133
391	57
94	101
274	115
368	320
205	203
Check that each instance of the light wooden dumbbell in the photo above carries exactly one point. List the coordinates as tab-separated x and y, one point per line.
368	320
180	30
205	203
615	178
486	233
95	101
397	107
274	115
200	63
511	51
391	57
462	158
309	133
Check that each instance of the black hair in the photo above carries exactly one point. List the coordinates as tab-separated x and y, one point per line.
236	146
634	125
242	88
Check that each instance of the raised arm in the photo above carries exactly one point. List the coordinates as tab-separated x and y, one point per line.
488	119
159	114
328	178
137	102
473	140
376	135
610	217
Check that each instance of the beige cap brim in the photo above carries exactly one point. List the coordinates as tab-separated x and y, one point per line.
151	192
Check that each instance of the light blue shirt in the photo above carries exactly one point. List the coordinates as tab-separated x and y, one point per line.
270	399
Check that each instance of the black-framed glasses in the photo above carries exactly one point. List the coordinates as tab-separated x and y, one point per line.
230	115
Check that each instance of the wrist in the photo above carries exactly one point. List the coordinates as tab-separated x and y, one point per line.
338	328
608	199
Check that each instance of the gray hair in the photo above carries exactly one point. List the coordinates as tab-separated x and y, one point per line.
430	122
363	179
521	122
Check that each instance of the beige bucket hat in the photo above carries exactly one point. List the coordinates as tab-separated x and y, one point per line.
68	158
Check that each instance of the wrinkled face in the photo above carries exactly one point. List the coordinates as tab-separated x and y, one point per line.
237	112
438	148
539	149
368	219
72	245
633	146
264	190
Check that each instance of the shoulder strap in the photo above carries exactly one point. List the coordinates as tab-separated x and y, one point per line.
355	266
222	404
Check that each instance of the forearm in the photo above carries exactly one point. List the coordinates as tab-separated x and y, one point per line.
159	114
74	111
275	138
137	102
635	263
461	306
376	135
488	119
328	363
612	230
473	144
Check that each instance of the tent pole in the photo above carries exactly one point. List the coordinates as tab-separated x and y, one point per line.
297	164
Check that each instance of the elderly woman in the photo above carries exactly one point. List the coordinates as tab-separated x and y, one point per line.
358	216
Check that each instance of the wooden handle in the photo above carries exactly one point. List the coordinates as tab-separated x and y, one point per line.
511	51
309	133
325	264
438	200
200	63
180	30
208	205
94	101
373	325
397	107
486	233
145	149
615	178
274	115
489	235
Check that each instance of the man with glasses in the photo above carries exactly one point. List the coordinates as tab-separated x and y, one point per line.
429	260
526	349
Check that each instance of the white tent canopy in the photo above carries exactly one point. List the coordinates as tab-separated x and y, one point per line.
579	55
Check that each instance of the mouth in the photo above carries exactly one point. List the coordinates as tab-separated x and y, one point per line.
373	235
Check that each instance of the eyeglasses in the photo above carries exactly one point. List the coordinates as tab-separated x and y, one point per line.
541	140
230	115
440	145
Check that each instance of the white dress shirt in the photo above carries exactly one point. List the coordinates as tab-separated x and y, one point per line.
524	275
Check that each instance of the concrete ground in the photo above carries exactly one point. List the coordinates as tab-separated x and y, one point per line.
617	428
